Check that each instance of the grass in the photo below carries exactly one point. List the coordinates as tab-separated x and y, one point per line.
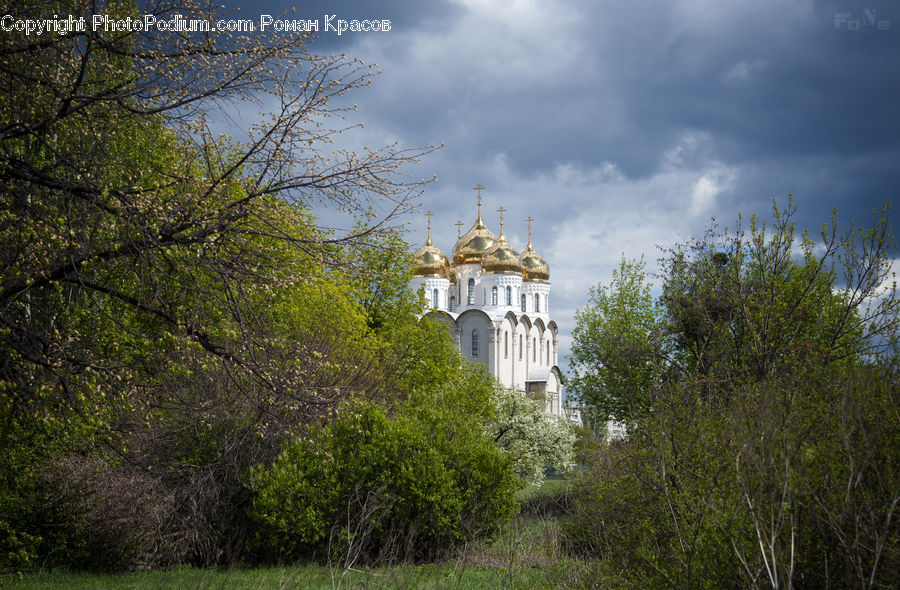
289	578
528	553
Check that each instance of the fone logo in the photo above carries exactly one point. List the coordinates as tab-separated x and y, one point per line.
864	19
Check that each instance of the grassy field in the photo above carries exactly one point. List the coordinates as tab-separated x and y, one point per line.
528	553
311	577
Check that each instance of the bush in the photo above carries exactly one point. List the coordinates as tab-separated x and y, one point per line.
792	484
377	489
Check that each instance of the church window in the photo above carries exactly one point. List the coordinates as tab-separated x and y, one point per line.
471	291
475	343
453	303
537	303
523	302
509	296
506	345
434	298
494	296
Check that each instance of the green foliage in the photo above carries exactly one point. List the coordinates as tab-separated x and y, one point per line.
618	348
381	489
171	312
768	456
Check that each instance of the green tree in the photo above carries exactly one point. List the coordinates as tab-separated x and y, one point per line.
618	348
772	433
166	296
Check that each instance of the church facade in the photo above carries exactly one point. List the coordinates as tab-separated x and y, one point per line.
496	302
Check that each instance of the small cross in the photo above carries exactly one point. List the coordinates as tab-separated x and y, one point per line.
459	225
428	215
501	210
479	188
529	219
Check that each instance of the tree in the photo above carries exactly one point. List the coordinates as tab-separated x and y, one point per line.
534	441
768	452
618	348
163	288
117	194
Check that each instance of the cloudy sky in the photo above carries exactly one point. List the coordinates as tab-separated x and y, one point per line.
623	126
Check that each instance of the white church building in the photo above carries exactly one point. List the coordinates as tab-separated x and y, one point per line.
497	304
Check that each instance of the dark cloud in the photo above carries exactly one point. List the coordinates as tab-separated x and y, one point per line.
620	126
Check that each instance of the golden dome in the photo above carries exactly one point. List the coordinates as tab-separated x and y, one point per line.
534	268
472	245
500	258
429	261
451	274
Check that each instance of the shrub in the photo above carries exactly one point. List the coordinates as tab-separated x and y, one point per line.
377	489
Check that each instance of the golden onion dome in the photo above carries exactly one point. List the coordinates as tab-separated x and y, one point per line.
534	268
451	274
472	245
501	258
429	261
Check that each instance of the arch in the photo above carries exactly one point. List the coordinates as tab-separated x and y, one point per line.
526	321
473	312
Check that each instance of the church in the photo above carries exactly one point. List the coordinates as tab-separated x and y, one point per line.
496	302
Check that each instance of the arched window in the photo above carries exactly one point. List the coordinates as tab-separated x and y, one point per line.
537	303
453	303
509	296
520	344
506	345
475	343
471	291
523	302
494	296
434	298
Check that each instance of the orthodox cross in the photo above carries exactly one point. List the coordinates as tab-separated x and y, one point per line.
428	215
479	188
458	225
529	219
501	210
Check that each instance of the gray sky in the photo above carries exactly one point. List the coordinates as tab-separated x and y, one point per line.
623	126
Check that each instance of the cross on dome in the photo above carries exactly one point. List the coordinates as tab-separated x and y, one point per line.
529	219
